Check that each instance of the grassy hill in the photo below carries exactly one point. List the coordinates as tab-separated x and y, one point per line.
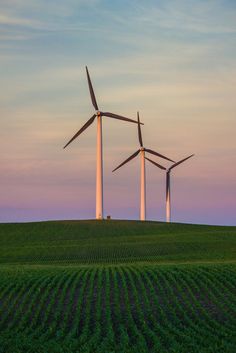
100	242
117	287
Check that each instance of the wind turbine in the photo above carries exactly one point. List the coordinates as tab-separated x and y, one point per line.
168	170
99	171
142	151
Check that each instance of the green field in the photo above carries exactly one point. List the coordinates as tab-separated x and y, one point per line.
117	286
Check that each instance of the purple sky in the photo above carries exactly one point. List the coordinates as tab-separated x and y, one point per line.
174	61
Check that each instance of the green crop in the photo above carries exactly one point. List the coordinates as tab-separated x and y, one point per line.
152	308
117	287
114	242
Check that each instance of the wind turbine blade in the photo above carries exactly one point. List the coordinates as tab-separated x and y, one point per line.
182	160
158	154
84	127
156	164
115	116
139	131
93	98
127	160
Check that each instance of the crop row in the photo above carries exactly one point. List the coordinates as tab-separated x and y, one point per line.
174	309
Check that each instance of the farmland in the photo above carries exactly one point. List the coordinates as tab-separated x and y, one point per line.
114	242
117	286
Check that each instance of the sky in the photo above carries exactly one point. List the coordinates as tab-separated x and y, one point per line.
172	60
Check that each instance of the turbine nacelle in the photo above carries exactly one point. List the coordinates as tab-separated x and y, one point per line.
141	148
168	170
98	113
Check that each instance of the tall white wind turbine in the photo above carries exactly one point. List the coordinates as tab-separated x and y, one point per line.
99	171
168	170
142	151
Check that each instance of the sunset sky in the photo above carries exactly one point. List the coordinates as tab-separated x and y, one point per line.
173	60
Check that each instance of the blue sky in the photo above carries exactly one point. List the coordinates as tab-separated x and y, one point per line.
174	61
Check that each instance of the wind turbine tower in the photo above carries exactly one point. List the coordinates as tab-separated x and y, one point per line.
168	170
142	150
99	170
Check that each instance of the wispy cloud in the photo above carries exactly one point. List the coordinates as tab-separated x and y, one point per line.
190	15
14	37
18	21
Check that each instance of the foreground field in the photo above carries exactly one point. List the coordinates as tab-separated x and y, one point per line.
166	309
117	287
